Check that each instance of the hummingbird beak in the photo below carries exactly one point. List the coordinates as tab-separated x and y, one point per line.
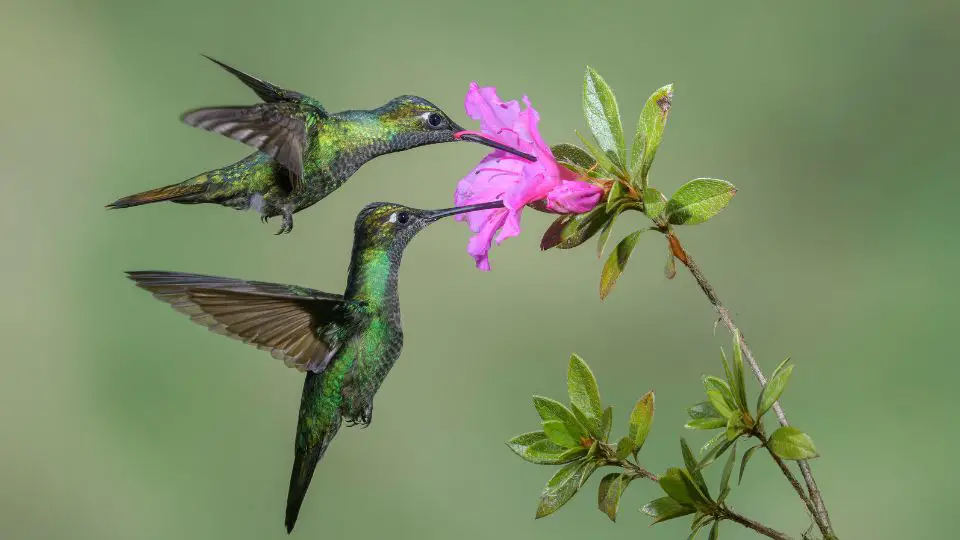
433	215
477	138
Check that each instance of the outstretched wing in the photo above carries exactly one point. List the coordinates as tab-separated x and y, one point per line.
286	320
269	92
276	129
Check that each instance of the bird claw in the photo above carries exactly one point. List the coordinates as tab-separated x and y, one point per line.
287	224
263	219
363	420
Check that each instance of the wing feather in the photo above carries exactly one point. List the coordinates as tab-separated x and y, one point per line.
276	129
284	320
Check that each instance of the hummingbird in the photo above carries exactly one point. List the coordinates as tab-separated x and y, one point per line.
346	343
303	152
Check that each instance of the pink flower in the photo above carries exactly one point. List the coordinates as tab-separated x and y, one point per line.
501	175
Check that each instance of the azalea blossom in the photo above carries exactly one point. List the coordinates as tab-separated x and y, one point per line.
517	181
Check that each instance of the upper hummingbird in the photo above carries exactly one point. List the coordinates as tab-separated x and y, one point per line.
304	152
346	344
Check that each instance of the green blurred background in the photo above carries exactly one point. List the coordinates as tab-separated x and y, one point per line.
122	420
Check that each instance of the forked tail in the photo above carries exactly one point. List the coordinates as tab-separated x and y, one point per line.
166	193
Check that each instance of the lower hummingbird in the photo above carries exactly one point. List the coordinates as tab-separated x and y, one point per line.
304	152
346	343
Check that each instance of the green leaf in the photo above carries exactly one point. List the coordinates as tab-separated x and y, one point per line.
680	485
746	457
699	200
710	445
563	486
558	433
603	116
594	448
593	427
706	423
727	471
715	451
666	508
728	373
693	468
719	385
605	165
616	263
641	419
611	489
573	155
741	387
520	443
704	409
569	231
701	521
734	427
781	365
615	197
605	234
789	442
584	393
719	403
535	447
673	485
714	531
653	118
606	422
550	409
772	391
625	447
654	203
588	469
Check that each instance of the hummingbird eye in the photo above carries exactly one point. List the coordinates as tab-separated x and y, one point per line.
434	120
400	217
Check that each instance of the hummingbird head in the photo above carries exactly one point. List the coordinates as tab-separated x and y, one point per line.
391	226
417	122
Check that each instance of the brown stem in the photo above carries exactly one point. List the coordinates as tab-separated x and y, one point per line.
609	453
759	528
638	470
820	514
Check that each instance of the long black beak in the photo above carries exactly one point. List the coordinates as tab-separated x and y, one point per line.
473	137
433	215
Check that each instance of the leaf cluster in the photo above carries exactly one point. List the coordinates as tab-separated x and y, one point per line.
727	408
578	438
605	159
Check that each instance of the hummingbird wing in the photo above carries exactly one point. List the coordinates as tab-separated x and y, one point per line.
270	92
288	321
276	129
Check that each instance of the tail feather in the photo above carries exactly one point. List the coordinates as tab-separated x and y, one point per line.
166	193
303	466
304	463
318	424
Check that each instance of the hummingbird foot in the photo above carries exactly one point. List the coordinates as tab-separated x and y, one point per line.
287	221
264	219
363	420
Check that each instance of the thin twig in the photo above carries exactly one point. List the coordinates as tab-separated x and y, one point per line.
820	515
759	528
627	465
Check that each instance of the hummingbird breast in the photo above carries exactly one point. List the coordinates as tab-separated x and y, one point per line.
372	354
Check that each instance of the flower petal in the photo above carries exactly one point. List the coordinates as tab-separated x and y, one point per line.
516	181
574	197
